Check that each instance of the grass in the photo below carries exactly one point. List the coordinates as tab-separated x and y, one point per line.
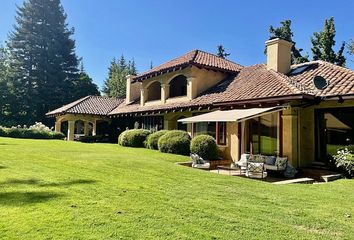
62	190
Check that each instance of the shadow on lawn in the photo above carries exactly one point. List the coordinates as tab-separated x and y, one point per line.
20	198
41	184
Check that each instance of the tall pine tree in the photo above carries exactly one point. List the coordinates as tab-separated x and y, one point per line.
323	43
84	85
351	47
6	96
43	60
285	32
115	84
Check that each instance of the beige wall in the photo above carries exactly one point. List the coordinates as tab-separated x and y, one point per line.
198	81
231	150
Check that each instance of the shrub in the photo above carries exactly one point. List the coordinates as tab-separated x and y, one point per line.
133	138
152	140
344	159
176	141
205	146
37	131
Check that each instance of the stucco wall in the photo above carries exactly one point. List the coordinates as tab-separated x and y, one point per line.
308	129
231	150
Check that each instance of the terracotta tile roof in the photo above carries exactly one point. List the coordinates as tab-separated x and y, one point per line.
196	58
93	105
340	80
250	83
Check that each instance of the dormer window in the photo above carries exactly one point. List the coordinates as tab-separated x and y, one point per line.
178	86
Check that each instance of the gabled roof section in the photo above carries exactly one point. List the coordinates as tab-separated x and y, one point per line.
193	58
92	105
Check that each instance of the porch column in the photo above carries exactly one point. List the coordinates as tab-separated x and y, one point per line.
165	92
143	96
94	128
191	88
71	130
86	128
57	126
290	136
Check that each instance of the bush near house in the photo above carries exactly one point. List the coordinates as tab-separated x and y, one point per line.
344	160
133	138
205	146
175	141
152	139
36	131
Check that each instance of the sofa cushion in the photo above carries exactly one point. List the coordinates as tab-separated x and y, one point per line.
270	167
281	163
270	160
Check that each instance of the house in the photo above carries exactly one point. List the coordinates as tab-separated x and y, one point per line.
304	112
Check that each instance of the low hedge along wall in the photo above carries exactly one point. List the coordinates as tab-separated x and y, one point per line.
133	138
175	141
29	133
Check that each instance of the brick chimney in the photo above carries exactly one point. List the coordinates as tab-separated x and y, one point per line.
132	90
279	55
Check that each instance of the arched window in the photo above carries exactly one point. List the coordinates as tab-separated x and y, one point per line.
154	91
178	86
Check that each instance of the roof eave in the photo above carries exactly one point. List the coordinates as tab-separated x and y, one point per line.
272	99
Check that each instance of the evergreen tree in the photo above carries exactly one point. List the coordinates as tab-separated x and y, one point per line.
285	32
351	47
151	65
43	60
6	96
221	52
84	85
115	84
323	43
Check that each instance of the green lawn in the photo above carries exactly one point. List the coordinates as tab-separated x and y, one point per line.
62	190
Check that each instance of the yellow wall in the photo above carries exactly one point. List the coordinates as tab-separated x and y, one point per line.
231	150
198	81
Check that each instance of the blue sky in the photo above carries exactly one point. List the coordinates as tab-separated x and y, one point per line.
158	30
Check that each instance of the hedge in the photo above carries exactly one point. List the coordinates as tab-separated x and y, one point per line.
175	141
205	146
133	138
29	133
152	140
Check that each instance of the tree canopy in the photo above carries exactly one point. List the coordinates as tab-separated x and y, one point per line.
115	84
284	32
221	52
42	66
323	43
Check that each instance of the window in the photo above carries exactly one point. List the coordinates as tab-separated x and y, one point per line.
153	123
178	86
263	135
216	130
221	133
334	130
208	128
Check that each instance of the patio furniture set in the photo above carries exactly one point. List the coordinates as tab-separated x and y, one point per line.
252	166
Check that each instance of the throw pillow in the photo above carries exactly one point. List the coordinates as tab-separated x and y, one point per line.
281	162
270	160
